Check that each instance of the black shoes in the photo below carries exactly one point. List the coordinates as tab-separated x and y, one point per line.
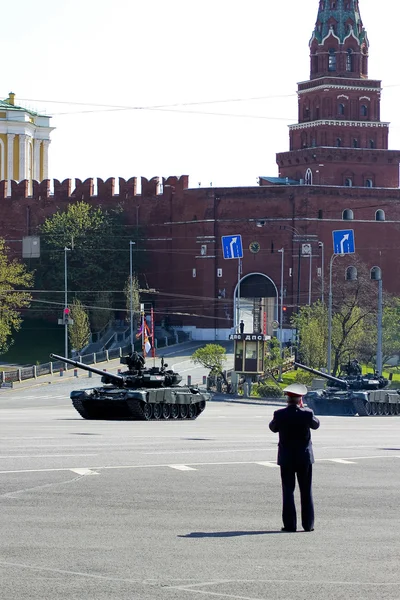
312	529
286	530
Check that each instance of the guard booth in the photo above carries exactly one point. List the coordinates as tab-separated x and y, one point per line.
250	350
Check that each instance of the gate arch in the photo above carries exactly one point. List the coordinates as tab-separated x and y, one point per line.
258	302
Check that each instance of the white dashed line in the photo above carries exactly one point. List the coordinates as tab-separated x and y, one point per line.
182	468
267	464
342	461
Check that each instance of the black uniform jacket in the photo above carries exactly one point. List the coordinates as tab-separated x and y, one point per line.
293	425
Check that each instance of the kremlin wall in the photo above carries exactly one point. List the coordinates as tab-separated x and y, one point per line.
338	174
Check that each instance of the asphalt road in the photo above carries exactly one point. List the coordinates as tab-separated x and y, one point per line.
189	509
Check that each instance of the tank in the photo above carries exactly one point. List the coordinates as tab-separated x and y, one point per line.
352	394
137	394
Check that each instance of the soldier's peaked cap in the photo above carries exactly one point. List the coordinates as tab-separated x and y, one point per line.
296	389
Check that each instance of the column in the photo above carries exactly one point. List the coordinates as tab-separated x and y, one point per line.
10	161
36	159
46	144
22	157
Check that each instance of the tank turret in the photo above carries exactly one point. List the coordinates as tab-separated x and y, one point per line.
137	393
352	393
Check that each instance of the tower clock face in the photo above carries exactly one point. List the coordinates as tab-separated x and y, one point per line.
254	247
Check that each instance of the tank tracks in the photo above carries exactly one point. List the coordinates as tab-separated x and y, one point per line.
137	410
355	406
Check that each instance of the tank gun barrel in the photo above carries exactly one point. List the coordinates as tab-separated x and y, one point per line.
79	365
340	382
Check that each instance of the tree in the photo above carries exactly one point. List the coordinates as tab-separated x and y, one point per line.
99	256
354	303
13	279
212	357
79	332
135	299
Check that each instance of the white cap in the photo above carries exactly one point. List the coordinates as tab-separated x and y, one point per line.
296	389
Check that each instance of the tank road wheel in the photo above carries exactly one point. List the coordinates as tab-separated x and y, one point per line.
374	408
174	411
147	411
166	411
157	411
201	406
368	408
183	411
392	409
192	412
398	408
380	408
386	409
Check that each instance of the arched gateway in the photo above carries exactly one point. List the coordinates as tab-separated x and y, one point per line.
258	303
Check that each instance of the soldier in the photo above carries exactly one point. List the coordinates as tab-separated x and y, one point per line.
295	456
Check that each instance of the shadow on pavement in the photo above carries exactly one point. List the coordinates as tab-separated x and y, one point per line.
205	534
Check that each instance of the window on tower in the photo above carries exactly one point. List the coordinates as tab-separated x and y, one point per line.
349	60
332	60
338	142
355	143
348	215
348	182
372	144
369	183
341	109
364	110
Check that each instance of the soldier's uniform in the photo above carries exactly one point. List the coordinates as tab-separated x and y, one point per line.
295	456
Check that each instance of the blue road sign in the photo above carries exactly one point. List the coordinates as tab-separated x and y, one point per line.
232	246
343	241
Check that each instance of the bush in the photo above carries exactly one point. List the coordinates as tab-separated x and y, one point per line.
266	390
304	377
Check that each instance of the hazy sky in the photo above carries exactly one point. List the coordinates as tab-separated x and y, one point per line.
159	53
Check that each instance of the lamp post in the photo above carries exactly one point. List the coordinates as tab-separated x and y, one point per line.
282	251
310	278
322	246
333	257
376	275
66	301
131	244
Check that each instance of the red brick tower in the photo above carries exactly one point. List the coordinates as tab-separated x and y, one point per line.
339	139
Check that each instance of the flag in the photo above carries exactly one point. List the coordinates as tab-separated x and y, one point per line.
147	344
139	331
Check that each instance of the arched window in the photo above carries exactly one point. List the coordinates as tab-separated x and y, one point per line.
364	110
308	178
1	160
372	143
380	215
355	143
341	109
338	142
348	182
347	5
369	183
333	4
348	215
349	60
351	274
376	273
332	60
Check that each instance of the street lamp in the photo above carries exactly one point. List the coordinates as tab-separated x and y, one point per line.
131	244
376	275
333	258
282	251
66	300
322	246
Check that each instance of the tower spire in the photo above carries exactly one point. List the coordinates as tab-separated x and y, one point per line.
339	43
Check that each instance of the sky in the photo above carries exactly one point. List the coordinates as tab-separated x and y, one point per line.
205	88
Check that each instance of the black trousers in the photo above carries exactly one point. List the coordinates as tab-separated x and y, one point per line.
304	478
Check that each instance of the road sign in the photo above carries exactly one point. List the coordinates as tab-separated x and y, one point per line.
275	325
232	246
343	241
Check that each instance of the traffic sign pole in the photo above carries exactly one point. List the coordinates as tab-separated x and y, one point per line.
232	248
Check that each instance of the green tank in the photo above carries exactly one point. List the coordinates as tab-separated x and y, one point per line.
137	394
353	394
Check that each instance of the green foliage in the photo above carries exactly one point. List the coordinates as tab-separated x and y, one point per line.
79	332
13	279
98	260
135	299
312	325
212	357
101	310
304	377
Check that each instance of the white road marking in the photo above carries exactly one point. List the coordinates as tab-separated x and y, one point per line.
46	456
209	464
182	468
267	464
342	461
84	471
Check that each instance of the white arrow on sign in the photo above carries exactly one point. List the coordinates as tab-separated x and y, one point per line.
234	240
342	241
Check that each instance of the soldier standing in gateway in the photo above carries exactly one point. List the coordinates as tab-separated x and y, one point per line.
295	456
